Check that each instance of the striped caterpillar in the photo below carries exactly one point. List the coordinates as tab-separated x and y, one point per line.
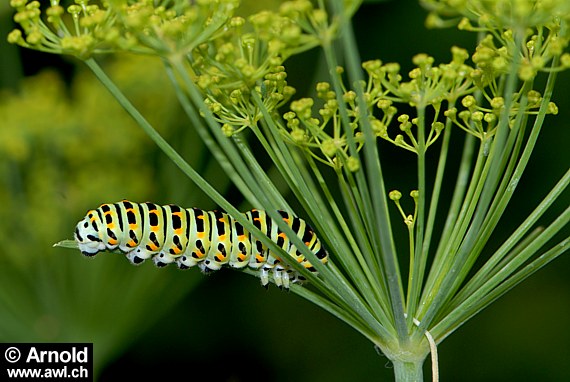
190	237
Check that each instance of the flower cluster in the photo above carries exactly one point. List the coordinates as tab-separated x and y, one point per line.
226	56
498	14
536	31
481	121
248	59
434	89
234	107
429	85
83	29
324	138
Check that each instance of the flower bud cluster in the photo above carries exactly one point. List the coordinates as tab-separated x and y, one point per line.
162	28
247	59
481	120
535	31
429	86
323	137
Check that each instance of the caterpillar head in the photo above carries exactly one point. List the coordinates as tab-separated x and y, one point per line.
87	236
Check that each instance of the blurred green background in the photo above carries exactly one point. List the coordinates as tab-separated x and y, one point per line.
66	147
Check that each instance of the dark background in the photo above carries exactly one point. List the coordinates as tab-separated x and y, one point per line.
151	323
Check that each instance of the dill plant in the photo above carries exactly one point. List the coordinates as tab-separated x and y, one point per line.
230	77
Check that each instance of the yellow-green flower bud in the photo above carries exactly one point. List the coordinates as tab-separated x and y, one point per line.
298	135
55	11
302	107
552	108
320	16
288	91
537	62
477	116
215	107
459	55
565	60
497	103
450	113
353	164
18	3
527	72
349	96
406	126
237	22
434	21
313	121
415	73
34	37
323	87
329	148
15	37
490	118
391	111
248	71
500	64
438	126
533	96
464	115
74	10
383	104
289	115
291	33
465	24
422	60
469	101
227	129
373	66
379	128
556	46
235	96
392	68
403	118
395	195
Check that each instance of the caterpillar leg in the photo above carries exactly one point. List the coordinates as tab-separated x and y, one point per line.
162	259
281	277
264	276
206	268
296	278
138	255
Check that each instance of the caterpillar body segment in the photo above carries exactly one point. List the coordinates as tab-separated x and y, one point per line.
194	237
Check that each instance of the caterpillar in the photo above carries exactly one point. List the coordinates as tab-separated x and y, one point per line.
194	237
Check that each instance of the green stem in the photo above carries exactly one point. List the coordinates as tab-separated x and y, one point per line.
490	268
383	241
408	371
504	280
419	223
345	256
413	300
206	137
497	157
